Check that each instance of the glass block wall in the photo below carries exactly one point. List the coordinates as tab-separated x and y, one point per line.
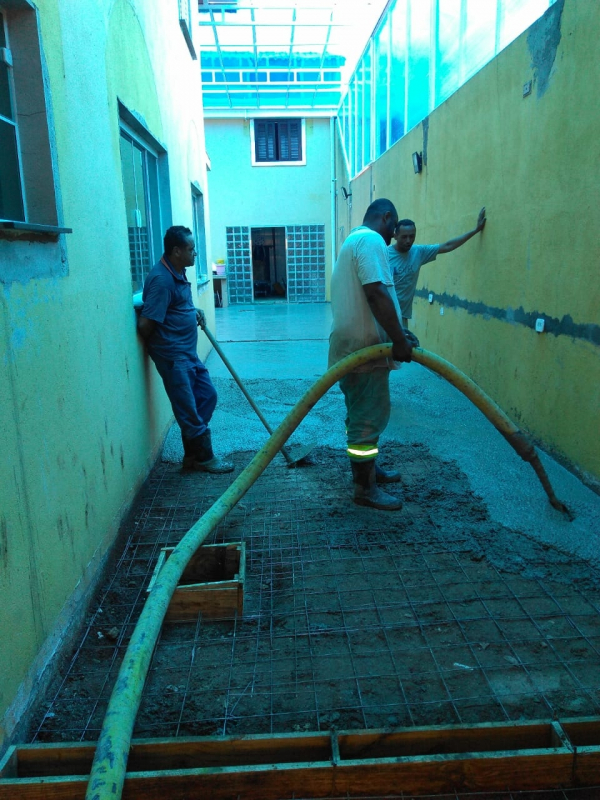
306	263
239	265
420	53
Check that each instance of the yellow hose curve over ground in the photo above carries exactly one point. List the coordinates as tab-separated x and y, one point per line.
110	761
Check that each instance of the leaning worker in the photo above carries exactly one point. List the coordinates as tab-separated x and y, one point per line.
407	258
365	312
169	323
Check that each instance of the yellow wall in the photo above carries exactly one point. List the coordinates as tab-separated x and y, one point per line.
83	410
533	162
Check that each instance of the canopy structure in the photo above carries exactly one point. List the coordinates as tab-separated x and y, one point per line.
293	58
380	67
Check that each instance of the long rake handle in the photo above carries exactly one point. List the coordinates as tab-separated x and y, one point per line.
245	392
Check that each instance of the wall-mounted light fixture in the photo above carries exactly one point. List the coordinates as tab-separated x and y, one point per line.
346	194
417	162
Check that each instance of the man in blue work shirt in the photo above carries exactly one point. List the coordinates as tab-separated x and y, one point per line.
169	323
407	258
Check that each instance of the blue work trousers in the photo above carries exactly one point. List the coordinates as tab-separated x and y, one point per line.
191	392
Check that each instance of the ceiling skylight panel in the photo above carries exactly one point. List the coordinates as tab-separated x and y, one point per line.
273	16
518	15
310	34
313	16
274	36
240	36
206	36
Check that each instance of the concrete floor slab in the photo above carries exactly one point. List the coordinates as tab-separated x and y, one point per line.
280	349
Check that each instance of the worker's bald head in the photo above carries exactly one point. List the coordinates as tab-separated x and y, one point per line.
382	217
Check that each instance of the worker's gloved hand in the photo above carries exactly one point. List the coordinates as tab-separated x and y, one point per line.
414	342
200	318
402	351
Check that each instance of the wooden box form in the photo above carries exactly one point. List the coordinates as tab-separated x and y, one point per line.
212	584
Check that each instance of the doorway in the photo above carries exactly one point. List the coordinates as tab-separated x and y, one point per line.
269	264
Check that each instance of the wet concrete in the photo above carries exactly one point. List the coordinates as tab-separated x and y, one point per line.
281	349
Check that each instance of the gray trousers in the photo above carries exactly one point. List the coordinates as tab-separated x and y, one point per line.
367	396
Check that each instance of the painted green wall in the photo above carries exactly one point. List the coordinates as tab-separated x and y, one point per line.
83	411
533	162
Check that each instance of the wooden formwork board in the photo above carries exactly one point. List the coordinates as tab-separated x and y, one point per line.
212	584
489	757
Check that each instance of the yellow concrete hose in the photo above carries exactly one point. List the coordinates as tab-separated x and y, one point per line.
110	761
518	440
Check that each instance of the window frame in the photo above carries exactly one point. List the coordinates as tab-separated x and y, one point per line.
157	197
199	230
6	58
186	25
30	100
301	162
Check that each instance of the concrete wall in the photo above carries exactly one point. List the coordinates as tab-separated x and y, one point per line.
265	196
533	162
83	412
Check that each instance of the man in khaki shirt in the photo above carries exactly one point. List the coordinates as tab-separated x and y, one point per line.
365	312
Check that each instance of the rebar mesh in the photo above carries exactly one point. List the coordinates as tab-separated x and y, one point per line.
352	618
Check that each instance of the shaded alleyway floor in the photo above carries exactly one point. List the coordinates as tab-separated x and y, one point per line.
445	612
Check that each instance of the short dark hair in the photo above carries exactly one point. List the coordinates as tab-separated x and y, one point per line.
379	207
176	236
406	223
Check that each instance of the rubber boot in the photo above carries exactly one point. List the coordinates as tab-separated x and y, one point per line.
188	453
366	491
199	456
387	475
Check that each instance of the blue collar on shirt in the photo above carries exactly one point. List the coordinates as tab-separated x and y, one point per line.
179	276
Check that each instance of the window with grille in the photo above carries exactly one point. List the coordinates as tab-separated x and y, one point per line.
144	169
278	140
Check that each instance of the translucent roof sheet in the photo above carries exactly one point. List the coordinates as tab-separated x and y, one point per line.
422	51
266	56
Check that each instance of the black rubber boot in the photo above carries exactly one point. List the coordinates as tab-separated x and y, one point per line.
188	453
387	475
199	456
366	491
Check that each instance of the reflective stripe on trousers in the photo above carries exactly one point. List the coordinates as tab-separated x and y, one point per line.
367	396
362	452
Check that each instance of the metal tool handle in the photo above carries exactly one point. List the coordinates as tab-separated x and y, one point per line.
245	392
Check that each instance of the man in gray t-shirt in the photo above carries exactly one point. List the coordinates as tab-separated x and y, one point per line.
407	258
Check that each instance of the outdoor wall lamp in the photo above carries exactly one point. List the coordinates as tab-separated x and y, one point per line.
346	194
417	162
